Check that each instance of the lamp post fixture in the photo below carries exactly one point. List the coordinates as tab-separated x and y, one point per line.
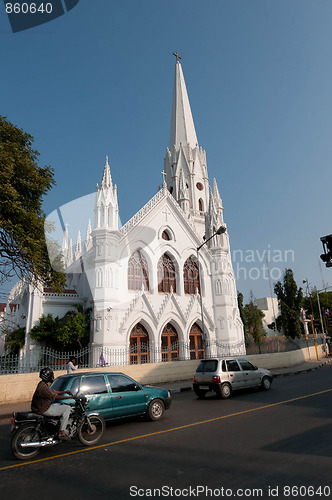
220	230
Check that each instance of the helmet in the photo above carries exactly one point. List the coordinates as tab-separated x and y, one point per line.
46	374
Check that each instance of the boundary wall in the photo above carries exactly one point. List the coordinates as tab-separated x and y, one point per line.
20	387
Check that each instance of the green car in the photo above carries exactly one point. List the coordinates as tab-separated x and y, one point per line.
115	395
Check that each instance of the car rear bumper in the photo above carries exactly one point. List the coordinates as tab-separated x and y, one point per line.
205	386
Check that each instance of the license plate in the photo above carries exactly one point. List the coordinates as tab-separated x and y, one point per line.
204	387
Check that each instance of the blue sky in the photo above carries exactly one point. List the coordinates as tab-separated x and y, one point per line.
98	81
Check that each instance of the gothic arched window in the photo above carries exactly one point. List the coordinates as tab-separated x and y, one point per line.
200	205
191	276
137	272
166	274
99	278
165	235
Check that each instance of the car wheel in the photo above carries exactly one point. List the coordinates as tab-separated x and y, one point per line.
200	393
266	383
156	410
225	391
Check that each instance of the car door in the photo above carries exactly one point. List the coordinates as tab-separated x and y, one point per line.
234	374
251	375
128	397
95	389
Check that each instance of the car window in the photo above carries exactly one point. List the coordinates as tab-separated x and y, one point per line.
246	365
121	383
93	385
75	385
223	366
232	365
208	366
60	384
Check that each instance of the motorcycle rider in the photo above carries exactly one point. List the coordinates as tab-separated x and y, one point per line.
42	401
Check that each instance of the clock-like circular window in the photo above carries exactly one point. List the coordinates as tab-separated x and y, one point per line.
199	186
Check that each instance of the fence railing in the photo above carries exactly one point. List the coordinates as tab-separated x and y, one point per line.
272	345
95	356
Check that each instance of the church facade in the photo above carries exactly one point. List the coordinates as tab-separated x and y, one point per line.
154	295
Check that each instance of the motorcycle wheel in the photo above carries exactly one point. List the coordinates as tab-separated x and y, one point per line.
25	434
91	430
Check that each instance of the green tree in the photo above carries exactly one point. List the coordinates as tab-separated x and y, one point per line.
76	328
23	250
67	332
14	341
47	331
252	318
290	299
242	313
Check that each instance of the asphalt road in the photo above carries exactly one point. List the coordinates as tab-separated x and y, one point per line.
275	444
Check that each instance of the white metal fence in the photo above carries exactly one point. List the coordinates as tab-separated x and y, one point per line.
93	357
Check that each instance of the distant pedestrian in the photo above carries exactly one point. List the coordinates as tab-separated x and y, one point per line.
72	365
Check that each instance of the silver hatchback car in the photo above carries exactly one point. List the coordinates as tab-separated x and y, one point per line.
223	375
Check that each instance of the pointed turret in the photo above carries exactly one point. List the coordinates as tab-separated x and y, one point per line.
182	123
88	237
107	178
78	247
64	246
216	195
106	207
183	197
70	253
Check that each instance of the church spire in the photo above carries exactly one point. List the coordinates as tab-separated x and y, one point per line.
182	123
185	162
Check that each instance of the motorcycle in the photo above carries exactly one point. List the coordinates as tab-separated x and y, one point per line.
31	432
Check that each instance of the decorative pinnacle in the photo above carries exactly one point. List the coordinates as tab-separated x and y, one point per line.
176	54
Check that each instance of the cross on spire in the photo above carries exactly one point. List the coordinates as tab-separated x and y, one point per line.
164	174
176	54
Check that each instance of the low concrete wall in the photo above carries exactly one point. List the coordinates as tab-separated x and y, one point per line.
286	359
20	387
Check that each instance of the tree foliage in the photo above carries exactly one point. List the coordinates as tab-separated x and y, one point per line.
290	299
14	341
252	319
23	250
66	332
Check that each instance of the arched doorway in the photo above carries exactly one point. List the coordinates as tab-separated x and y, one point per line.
196	342
169	343
138	345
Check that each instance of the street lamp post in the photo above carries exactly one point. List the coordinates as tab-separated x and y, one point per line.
221	230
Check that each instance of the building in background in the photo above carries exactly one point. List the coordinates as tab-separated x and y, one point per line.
270	307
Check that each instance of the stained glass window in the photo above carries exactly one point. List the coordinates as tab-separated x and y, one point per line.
137	272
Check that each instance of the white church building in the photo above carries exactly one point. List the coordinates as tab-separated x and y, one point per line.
153	295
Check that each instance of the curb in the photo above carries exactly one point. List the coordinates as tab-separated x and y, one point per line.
302	370
180	389
177	390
